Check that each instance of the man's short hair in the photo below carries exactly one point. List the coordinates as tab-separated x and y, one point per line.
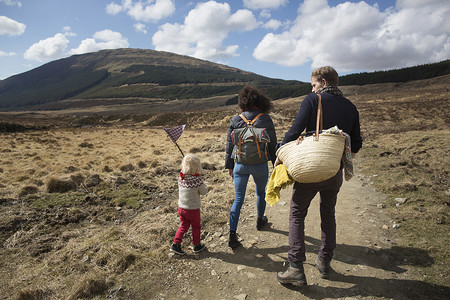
327	73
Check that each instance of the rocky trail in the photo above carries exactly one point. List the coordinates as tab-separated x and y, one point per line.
367	263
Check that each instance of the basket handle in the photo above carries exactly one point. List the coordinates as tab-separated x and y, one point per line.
319	122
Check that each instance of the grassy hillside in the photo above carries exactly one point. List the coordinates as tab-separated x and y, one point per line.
132	74
137	75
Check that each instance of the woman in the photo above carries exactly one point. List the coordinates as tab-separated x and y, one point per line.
337	110
252	102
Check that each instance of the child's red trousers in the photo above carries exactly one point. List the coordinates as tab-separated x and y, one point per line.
188	217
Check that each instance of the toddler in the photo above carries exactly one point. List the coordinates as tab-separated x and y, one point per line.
190	187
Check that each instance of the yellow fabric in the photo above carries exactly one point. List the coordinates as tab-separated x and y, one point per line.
279	179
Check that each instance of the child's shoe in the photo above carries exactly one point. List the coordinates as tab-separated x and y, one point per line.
176	248
199	248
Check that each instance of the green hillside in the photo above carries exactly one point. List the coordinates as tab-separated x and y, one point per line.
148	75
133	73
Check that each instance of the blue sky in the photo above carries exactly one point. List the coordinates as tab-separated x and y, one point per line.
276	38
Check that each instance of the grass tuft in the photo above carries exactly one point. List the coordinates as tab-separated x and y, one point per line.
55	185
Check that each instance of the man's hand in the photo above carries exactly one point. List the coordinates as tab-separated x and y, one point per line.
230	172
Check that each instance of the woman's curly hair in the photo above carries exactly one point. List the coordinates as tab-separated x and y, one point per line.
250	97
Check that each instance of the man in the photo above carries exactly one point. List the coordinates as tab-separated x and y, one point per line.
337	110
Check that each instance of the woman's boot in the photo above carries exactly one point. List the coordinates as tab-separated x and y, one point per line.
233	242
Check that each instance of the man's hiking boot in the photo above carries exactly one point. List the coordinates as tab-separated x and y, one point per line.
233	242
323	267
261	222
199	248
294	274
176	248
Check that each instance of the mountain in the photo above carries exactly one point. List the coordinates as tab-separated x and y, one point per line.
132	75
128	76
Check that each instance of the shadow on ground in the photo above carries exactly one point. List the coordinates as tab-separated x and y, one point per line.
374	287
390	260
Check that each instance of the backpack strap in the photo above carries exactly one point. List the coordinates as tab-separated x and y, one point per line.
250	123
257	147
240	143
244	118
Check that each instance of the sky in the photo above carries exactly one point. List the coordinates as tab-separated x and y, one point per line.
283	39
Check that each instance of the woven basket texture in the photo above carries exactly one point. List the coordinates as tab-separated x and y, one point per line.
313	161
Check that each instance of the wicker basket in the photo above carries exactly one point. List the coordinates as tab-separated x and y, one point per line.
313	160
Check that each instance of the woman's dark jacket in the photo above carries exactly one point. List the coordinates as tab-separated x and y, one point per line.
264	121
337	111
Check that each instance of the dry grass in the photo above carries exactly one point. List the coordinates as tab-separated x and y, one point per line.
91	233
406	155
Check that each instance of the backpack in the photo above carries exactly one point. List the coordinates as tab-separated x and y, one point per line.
250	143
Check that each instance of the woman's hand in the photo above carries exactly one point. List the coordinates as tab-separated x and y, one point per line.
277	162
230	172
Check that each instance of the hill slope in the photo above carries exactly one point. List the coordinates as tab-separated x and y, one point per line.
132	73
398	75
131	76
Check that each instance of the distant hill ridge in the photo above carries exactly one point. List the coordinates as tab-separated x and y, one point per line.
398	75
143	74
132	73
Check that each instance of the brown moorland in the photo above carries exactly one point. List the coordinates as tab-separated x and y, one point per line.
88	205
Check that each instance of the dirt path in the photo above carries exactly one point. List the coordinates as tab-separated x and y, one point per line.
367	264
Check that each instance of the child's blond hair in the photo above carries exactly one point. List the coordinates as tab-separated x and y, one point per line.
191	164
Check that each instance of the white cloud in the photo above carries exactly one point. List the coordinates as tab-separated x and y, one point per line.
143	11
357	36
12	3
273	24
48	49
67	31
139	27
155	12
401	4
55	47
113	9
204	30
3	53
265	13
105	39
242	20
11	27
264	4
